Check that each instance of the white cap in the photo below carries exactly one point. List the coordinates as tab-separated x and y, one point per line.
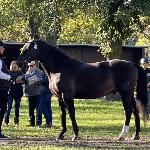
31	63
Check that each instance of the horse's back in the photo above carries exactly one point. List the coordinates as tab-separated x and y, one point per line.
102	78
96	79
92	80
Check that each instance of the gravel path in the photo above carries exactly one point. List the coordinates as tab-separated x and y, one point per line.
81	143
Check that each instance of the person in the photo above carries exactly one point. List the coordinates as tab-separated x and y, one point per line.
15	93
32	80
46	102
145	64
5	77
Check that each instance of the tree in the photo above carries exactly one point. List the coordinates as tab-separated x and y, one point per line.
118	20
79	28
12	23
106	22
24	18
43	19
112	22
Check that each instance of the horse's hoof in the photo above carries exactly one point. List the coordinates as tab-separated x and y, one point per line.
136	137
60	137
75	138
121	139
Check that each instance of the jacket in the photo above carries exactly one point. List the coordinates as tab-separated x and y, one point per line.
4	75
16	89
33	87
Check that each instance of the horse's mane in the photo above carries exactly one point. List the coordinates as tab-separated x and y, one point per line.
57	54
52	49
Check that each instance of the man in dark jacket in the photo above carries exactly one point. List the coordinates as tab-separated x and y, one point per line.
45	103
33	90
145	63
4	87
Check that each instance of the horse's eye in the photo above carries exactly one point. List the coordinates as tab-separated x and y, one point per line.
35	46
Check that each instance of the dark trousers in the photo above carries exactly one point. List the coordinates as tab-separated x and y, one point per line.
3	104
34	104
46	106
17	100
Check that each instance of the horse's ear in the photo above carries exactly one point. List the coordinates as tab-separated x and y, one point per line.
36	37
30	38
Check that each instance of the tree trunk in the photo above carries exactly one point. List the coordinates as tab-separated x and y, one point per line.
33	28
116	48
52	34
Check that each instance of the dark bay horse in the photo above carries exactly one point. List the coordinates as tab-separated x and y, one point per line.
71	79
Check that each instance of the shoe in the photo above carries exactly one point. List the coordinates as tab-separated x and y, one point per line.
6	124
31	125
16	125
46	125
38	124
2	136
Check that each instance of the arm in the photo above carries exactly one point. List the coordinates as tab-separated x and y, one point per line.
44	80
2	74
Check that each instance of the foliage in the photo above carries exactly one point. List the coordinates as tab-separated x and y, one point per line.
79	25
106	22
118	21
12	23
22	18
114	22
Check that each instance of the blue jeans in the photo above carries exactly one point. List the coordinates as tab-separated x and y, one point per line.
46	106
148	97
3	104
34	104
17	101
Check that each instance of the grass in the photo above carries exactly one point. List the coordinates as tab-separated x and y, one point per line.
98	120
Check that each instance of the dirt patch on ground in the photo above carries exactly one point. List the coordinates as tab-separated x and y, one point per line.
80	143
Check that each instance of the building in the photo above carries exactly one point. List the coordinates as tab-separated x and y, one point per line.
83	52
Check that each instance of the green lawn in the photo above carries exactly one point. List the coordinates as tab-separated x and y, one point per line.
99	121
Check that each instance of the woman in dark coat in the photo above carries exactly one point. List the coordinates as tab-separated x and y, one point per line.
15	93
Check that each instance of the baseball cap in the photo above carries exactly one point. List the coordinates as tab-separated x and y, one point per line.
145	60
31	63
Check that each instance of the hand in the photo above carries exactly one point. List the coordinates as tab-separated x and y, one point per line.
19	79
148	84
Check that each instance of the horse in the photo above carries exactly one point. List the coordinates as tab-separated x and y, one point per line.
70	79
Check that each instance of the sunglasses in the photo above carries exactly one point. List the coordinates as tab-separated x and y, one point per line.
31	65
15	67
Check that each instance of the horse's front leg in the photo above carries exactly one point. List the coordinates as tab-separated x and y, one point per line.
71	111
62	107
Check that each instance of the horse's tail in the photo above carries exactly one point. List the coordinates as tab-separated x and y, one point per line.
141	91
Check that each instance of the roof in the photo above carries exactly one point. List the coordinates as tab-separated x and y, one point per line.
75	45
13	43
59	45
130	46
79	45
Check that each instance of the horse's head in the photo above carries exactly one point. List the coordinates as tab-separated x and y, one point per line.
29	52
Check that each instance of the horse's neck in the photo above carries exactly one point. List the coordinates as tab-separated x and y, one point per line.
54	61
45	70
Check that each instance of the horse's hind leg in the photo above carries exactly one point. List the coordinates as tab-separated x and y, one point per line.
137	120
62	107
128	112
